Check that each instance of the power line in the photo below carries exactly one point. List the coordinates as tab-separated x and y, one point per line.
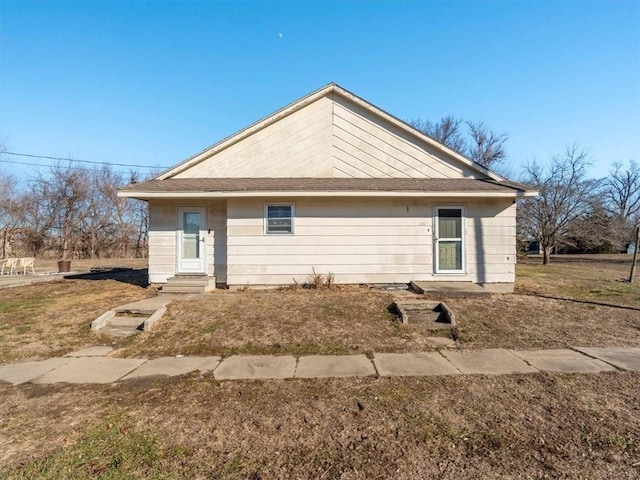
76	160
43	165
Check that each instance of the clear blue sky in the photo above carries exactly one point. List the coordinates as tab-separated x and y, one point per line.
153	82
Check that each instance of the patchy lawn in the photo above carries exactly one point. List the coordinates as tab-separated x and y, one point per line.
53	318
335	321
516	426
512	426
597	278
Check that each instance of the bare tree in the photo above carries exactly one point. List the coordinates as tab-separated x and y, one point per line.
486	147
565	195
478	142
446	131
11	212
621	194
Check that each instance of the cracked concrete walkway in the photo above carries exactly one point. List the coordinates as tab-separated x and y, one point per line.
93	365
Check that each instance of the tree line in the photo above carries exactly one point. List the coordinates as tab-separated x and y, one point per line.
67	212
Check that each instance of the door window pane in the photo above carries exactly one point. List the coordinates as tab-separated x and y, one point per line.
450	223
191	235
450	255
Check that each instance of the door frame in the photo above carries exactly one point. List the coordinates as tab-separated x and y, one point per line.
202	267
436	239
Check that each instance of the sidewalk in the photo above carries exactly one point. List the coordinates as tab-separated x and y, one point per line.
93	365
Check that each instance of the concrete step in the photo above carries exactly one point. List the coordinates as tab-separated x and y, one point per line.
132	312
115	331
132	322
189	284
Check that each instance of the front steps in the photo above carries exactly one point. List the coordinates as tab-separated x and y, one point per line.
129	319
189	284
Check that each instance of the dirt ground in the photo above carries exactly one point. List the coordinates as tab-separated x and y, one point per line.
475	427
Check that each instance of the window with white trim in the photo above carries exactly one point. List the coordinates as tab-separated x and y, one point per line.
278	218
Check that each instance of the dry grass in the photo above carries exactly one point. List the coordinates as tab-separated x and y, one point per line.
53	318
520	426
517	426
597	278
298	321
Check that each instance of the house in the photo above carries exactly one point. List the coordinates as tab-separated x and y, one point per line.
331	184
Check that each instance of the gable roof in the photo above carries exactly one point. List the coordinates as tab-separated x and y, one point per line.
313	187
329	90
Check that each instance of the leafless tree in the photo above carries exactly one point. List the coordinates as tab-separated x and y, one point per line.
446	131
621	193
565	195
478	142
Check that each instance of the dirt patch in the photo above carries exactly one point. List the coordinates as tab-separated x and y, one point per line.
524	426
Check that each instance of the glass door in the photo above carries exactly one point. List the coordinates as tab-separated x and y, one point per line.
449	243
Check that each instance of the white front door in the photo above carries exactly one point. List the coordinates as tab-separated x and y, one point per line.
191	240
449	243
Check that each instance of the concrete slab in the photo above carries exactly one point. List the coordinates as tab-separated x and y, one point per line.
101	351
326	366
461	288
626	358
492	361
17	373
246	367
150	304
412	364
92	370
562	360
441	341
171	366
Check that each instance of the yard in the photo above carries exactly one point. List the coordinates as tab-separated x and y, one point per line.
539	425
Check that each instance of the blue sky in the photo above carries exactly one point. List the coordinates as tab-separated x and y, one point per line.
153	82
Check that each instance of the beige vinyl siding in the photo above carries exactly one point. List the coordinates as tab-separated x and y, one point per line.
373	241
364	145
163	225
296	146
376	240
330	138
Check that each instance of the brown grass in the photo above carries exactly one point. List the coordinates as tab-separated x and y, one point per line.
298	321
53	318
520	426
597	278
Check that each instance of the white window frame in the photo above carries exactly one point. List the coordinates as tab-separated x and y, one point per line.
463	243
266	217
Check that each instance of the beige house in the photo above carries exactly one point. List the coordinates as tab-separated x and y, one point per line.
330	183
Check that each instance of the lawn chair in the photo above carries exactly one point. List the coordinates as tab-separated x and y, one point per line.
8	264
27	262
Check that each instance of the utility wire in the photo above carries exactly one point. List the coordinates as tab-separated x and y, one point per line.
76	160
43	165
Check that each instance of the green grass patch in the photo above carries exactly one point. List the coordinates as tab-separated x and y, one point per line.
113	449
22	306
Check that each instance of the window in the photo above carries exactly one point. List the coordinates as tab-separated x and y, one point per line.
279	219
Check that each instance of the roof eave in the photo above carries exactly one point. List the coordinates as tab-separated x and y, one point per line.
142	195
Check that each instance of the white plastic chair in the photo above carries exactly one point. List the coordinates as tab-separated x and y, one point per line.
8	264
27	262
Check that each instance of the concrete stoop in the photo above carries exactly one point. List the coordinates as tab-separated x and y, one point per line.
124	322
189	284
